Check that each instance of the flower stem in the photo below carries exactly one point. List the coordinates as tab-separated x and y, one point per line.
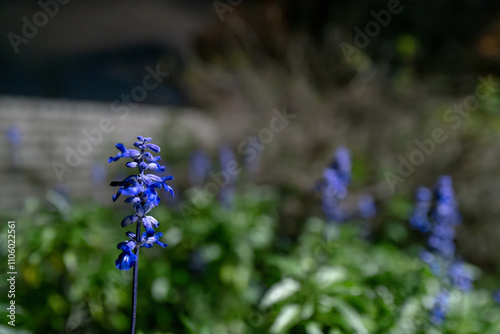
134	283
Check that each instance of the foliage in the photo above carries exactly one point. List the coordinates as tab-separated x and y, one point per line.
226	271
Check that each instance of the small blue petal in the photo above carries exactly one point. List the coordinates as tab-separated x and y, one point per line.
129	220
131	164
153	147
121	147
126	246
148	207
147	225
153	165
169	189
134	154
134	200
162	244
132	191
115	196
126	260
139	210
152	220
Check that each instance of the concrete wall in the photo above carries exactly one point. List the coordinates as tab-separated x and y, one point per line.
52	128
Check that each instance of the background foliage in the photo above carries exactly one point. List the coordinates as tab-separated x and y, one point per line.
228	271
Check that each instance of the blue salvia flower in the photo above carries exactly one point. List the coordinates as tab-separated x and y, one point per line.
438	216
14	135
342	164
460	276
334	190
141	192
199	167
228	165
432	261
99	173
496	296
336	179
437	219
440	308
441	240
446	210
366	206
445	215
419	219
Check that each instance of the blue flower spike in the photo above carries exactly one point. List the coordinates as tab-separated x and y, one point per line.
440	308
334	191
336	179
436	215
142	194
199	167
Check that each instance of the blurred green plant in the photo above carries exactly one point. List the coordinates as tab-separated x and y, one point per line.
225	271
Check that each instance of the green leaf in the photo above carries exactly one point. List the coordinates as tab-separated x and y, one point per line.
327	276
286	318
280	291
313	328
351	316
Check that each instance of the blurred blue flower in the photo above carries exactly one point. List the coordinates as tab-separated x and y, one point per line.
199	167
99	173
445	215
229	167
432	261
419	219
141	192
342	164
366	206
439	219
460	276
496	296
446	208
14	135
440	308
336	179
441	241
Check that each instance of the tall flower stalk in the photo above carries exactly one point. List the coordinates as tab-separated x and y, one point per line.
141	193
436	214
